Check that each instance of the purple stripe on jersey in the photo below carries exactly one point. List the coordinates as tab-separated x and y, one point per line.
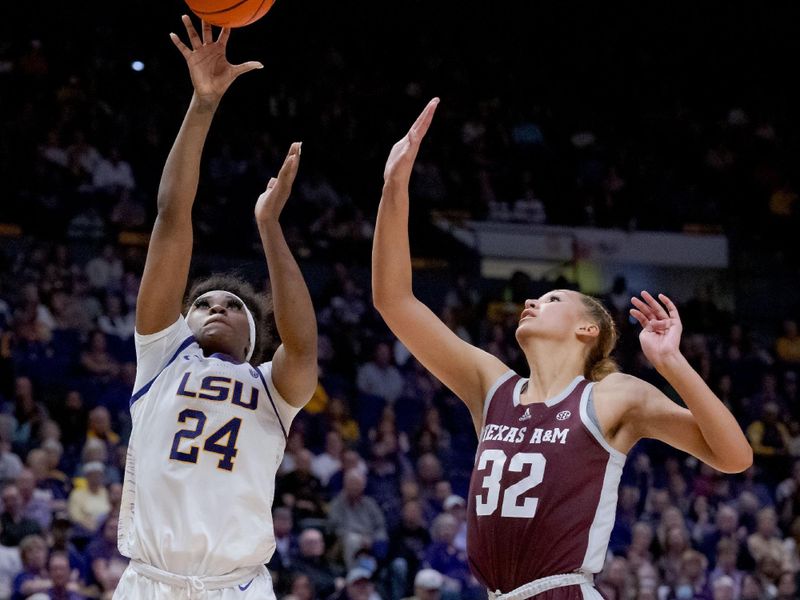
146	387
275	408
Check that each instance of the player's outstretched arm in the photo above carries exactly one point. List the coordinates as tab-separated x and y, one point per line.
294	366
466	370
707	429
169	254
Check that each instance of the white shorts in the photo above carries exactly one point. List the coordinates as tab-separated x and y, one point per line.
133	586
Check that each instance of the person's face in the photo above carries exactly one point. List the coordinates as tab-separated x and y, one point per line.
412	514
282	523
723	593
557	315
354	484
219	324
301	588
100	421
360	590
59	571
727	520
312	544
11	499
37	557
426	594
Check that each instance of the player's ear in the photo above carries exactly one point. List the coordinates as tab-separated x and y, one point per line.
587	330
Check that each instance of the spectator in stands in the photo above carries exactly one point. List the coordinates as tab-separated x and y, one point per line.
37	504
443	556
103	557
10	565
311	561
328	462
286	542
379	377
88	505
104	272
301	588
96	359
299	490
15	525
34	577
356	519
427	585
61	588
787	346
726	554
770	440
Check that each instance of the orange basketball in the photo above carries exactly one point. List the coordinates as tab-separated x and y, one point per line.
230	13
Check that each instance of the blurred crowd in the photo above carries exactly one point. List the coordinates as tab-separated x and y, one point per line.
371	496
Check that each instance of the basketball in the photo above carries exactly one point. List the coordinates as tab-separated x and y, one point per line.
230	13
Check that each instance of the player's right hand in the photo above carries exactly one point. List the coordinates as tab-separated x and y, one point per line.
209	69
404	153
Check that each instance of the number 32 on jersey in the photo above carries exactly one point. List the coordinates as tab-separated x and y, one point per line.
486	504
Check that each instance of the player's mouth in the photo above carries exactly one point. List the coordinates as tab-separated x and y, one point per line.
216	319
528	312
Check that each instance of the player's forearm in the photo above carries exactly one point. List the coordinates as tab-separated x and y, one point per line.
178	186
719	427
293	310
391	252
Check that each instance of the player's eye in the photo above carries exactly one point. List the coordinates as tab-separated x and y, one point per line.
201	303
554	299
233	303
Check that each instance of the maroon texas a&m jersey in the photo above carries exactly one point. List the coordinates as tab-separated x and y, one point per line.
543	493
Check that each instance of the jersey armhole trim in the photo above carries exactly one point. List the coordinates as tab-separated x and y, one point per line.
146	387
593	428
272	402
492	390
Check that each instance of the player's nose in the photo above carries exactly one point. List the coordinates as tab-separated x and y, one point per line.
531	303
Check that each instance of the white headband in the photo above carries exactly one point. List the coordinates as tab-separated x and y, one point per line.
250	320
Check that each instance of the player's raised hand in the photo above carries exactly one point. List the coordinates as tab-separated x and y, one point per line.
209	69
404	153
661	328
271	202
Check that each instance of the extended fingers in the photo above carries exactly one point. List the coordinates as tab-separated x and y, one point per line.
671	308
654	304
245	67
193	37
207	36
643	307
289	169
180	45
639	316
423	122
224	35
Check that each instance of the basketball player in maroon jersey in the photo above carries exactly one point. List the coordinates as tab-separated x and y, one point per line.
551	448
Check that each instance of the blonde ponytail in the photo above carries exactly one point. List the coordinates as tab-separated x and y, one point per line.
599	363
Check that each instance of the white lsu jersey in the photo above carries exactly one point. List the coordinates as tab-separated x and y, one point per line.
208	437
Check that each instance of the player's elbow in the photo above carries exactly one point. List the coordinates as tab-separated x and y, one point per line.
738	461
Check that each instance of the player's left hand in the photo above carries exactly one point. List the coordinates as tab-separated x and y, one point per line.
209	69
404	153
661	329
271	202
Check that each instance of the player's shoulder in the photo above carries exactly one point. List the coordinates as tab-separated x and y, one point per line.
621	389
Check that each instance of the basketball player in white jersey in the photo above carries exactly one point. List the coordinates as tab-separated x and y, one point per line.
551	447
209	418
